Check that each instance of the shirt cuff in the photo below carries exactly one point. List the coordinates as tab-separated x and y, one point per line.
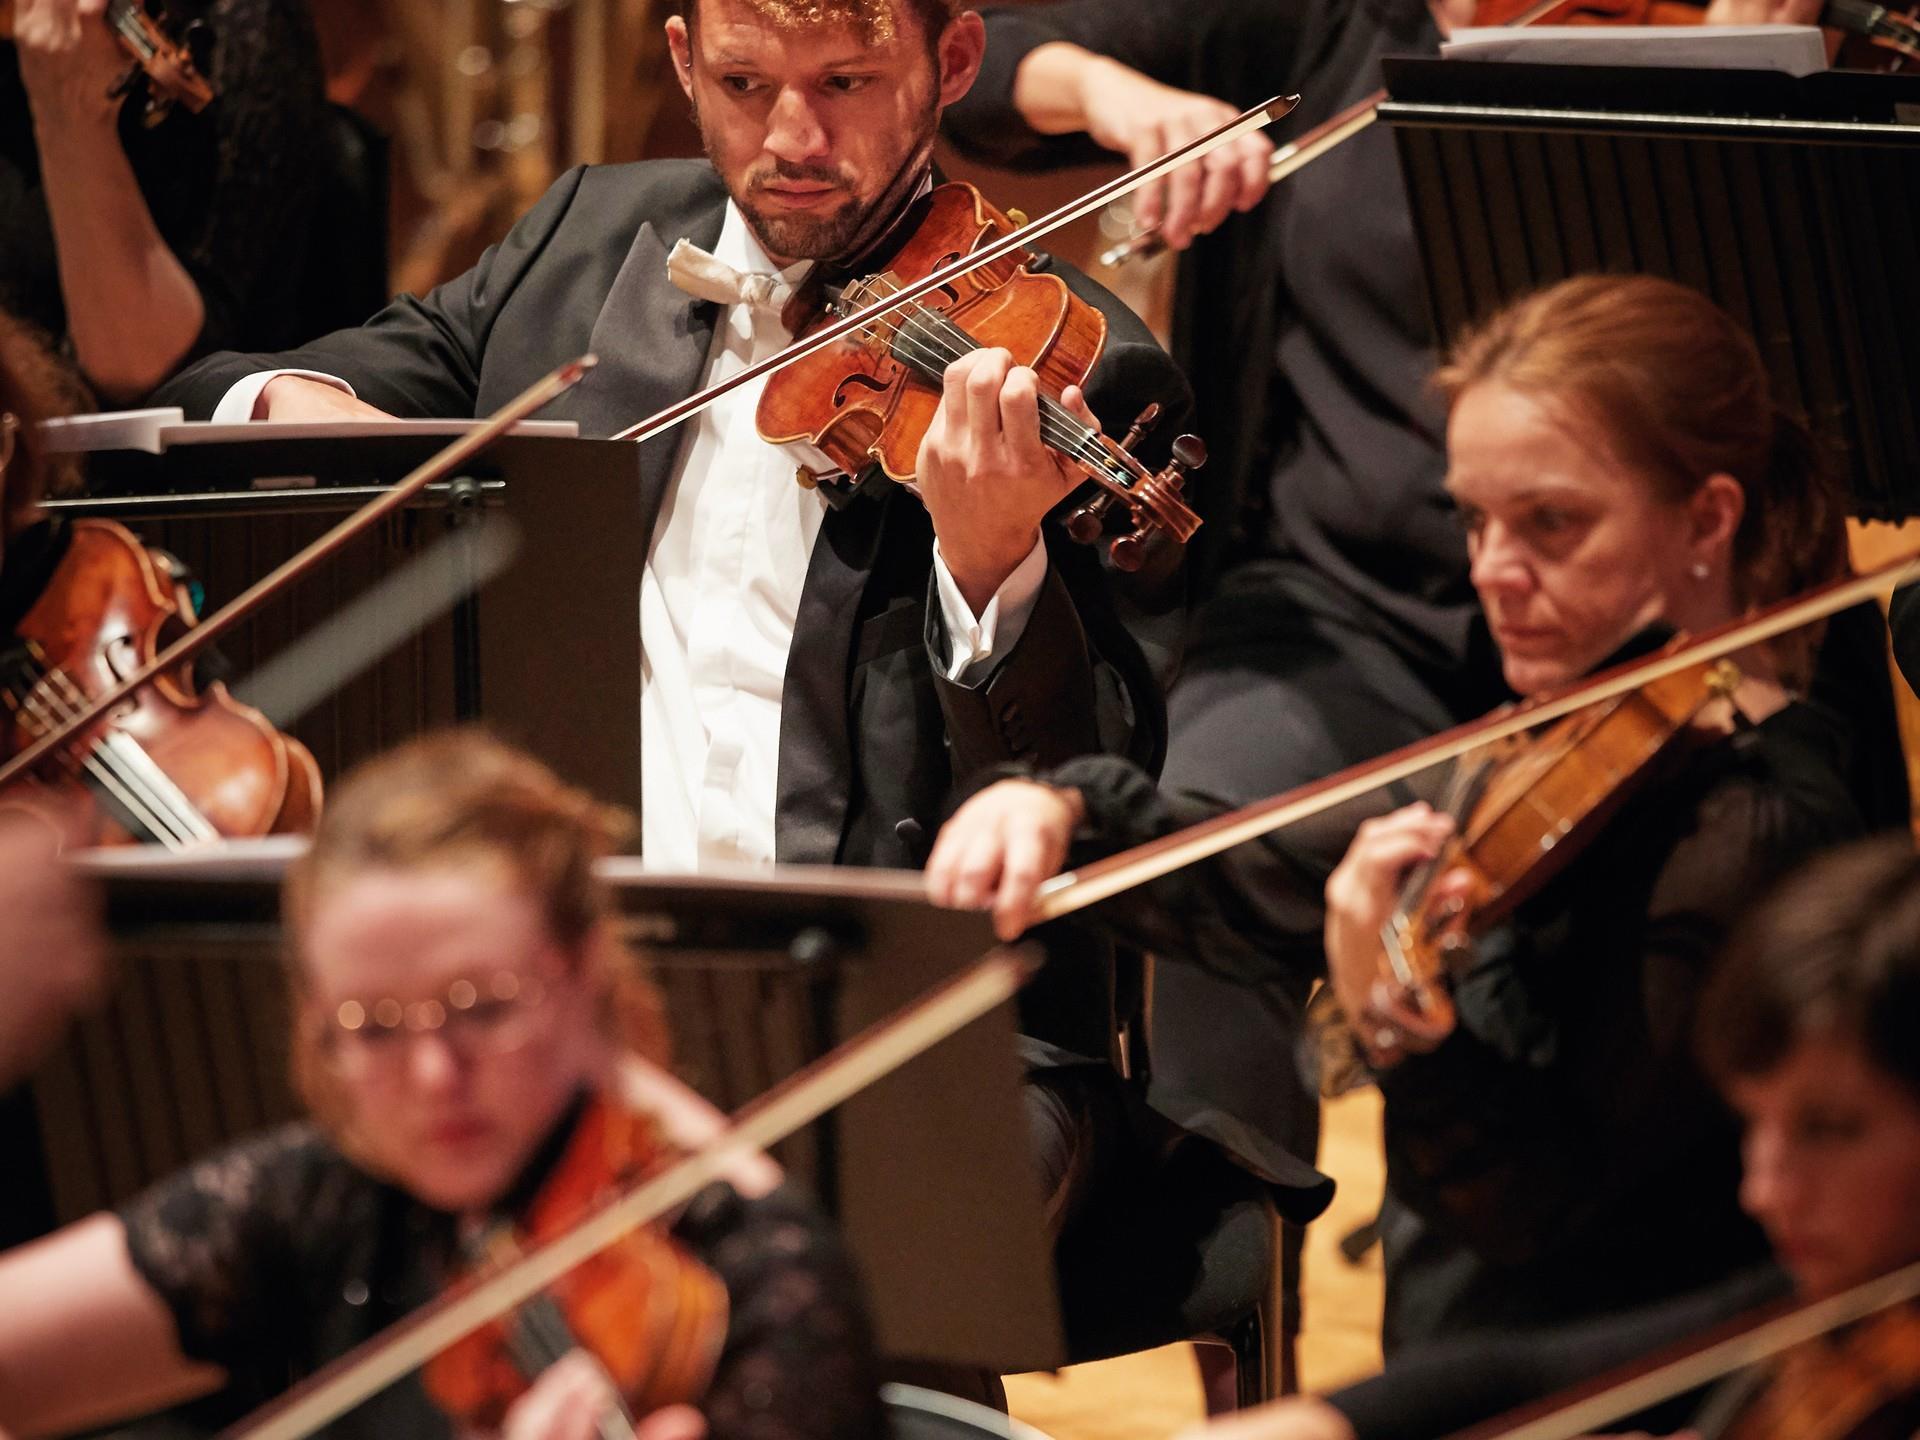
236	406
972	642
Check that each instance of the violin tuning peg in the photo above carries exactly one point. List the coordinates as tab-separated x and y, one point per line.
1086	524
1142	423
1129	552
1189	454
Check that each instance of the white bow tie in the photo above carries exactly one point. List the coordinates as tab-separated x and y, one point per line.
705	278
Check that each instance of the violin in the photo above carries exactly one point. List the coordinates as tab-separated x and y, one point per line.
869	398
167	66
172	764
652	1315
128	645
1523	810
1837	1386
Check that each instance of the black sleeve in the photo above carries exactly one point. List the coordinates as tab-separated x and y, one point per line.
798	1363
1242	51
419	357
1089	670
1441	1388
269	120
1569	1084
220	1243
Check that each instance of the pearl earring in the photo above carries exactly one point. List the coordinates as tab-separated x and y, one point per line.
1700	571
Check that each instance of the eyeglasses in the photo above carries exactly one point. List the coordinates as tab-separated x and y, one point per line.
491	1015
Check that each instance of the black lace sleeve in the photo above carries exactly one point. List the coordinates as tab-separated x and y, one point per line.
798	1362
221	1244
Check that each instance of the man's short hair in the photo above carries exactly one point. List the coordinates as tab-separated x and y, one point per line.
873	18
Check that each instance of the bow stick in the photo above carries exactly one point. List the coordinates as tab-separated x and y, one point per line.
1076	889
540	393
1243	124
1300	153
1643	1387
806	1095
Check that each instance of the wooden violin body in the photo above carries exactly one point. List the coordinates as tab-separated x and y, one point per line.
869	399
174	764
653	1316
1531	808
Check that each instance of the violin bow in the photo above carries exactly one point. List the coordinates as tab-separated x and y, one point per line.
800	1099
1244	124
1073	890
196	639
1649	1384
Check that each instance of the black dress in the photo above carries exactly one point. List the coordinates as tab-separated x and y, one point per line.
279	1255
232	190
1559	1156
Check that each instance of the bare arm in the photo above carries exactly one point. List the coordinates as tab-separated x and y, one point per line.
83	1339
1061	88
132	308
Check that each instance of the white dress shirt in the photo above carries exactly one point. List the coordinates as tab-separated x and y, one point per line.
719	597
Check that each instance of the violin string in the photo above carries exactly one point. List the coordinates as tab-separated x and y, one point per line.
148	809
133	766
34	707
148	803
1057	426
938	337
946	343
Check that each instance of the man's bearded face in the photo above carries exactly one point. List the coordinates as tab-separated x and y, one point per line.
810	124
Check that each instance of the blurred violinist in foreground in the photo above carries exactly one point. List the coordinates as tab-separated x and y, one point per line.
474	1048
1621	472
50	953
1811	1029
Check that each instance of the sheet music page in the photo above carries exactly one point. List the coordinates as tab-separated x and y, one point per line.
157	430
1790	49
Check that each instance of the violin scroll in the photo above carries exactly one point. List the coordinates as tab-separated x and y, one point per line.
1153	502
172	74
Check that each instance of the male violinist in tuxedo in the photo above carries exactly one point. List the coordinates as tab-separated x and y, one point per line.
821	666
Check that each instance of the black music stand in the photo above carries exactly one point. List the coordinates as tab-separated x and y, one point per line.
1793	203
929	1171
562	620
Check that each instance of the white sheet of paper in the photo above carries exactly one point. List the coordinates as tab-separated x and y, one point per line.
1790	49
156	430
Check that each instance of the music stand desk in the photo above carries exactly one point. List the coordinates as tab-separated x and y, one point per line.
1793	203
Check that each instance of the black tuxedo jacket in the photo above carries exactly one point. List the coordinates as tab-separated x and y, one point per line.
872	740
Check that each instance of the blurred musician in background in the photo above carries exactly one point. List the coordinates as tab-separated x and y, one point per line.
51	960
1621	470
462	1014
1811	1029
143	246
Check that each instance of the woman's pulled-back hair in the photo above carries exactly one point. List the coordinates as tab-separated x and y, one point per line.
458	799
1834	951
1676	392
